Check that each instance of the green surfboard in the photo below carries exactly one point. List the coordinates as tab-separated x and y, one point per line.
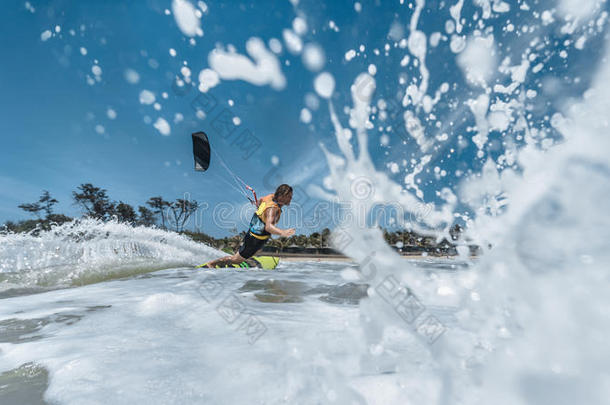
261	262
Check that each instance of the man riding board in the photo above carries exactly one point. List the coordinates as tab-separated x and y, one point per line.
262	226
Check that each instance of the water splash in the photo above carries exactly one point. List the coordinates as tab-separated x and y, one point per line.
88	251
534	311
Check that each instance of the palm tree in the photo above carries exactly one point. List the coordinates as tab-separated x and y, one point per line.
283	242
300	240
324	237
455	231
314	239
159	205
391	237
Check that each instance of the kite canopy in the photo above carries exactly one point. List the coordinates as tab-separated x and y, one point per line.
201	151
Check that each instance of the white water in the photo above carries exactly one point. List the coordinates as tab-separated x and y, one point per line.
534	313
88	251
161	337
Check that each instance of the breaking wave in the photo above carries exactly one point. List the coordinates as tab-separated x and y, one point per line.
88	251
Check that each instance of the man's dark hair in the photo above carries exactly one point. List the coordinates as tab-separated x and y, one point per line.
282	190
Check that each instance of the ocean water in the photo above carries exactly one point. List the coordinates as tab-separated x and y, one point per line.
183	335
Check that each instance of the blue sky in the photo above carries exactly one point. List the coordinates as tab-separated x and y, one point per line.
50	113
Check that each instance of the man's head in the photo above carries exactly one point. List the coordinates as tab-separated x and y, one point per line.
283	194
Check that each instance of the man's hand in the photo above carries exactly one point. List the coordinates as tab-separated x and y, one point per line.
286	233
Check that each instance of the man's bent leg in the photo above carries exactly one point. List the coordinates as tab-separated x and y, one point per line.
224	261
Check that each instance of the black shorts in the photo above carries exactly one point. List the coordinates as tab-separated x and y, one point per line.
250	246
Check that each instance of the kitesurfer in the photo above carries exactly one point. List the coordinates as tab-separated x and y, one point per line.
262	226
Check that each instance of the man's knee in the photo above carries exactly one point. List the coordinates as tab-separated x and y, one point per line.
236	258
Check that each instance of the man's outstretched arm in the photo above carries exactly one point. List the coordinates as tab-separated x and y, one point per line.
270	216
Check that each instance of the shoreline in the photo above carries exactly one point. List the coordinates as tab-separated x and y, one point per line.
340	258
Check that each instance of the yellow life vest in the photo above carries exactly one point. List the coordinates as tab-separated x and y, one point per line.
257	224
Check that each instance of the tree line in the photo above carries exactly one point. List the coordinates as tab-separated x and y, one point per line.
403	240
95	202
